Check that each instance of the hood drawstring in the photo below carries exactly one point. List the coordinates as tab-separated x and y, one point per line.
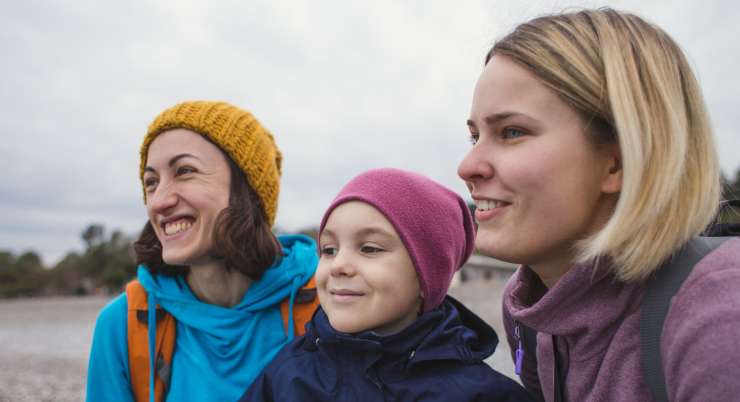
295	285
152	324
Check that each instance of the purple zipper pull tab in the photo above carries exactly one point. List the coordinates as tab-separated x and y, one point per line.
519	354
519	358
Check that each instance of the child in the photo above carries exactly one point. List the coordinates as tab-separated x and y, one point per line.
386	331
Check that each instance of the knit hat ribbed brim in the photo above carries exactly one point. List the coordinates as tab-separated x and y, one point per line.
238	133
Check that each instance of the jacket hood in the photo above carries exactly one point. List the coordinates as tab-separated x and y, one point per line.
293	270
231	345
449	332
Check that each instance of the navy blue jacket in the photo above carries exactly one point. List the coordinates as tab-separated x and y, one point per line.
437	358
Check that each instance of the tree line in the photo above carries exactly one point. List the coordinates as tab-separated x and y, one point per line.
107	262
105	265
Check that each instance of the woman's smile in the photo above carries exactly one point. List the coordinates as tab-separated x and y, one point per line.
488	209
178	226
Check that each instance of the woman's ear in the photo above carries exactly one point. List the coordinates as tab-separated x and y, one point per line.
612	182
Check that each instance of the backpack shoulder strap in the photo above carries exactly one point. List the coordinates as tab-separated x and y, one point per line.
659	291
138	345
304	305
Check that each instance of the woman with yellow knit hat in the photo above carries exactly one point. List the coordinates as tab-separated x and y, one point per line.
217	295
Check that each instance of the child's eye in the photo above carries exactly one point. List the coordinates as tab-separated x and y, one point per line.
473	138
511	133
370	249
328	250
182	170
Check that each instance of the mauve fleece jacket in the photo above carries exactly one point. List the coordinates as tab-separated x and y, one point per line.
595	319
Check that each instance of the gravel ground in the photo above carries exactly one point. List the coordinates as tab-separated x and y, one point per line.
43	347
44	343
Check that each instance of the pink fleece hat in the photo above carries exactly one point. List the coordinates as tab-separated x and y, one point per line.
433	222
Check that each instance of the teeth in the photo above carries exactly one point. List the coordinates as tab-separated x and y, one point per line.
172	228
485	205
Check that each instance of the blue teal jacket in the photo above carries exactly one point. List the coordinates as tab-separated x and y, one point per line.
438	358
218	351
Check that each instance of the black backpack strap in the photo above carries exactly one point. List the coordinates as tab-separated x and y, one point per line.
730	229
657	300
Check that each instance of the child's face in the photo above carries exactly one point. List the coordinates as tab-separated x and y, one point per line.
366	279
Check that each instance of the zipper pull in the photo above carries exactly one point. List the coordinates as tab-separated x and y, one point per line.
519	354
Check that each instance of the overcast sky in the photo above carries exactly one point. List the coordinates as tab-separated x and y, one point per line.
344	86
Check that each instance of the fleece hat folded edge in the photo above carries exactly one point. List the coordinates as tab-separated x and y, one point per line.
433	222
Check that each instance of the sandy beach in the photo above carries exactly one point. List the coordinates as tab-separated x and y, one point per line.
44	342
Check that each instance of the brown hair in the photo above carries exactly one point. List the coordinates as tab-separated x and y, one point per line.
242	236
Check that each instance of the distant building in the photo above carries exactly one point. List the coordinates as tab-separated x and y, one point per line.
480	267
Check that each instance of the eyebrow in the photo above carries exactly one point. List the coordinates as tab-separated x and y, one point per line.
172	161
362	232
494	118
374	230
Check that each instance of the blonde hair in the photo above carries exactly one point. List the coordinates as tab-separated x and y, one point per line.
632	83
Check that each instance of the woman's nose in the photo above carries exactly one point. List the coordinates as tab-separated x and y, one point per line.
162	199
475	166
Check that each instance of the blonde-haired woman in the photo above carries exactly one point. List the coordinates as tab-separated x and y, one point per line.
593	163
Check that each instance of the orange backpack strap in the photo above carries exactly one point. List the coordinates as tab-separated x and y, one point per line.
304	305
138	345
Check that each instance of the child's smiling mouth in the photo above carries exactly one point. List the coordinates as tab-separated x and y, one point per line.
345	295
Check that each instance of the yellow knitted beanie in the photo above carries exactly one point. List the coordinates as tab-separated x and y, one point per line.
237	133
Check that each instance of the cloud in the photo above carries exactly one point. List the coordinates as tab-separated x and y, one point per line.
343	86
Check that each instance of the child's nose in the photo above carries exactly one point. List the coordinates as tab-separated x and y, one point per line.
342	264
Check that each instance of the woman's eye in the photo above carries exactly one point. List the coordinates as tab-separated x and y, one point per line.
150	183
473	138
184	170
328	250
512	133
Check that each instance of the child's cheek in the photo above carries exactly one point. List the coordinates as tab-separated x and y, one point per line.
322	277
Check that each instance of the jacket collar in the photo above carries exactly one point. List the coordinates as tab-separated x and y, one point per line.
449	332
584	305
